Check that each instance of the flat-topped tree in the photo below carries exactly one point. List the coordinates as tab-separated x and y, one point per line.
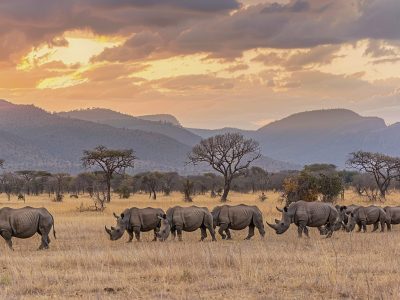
111	161
229	154
383	168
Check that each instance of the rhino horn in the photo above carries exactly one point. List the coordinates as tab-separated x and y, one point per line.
107	230
112	228
277	221
272	226
278	209
115	215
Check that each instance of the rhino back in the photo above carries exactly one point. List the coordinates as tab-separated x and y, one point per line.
373	214
25	221
189	218
145	218
313	214
240	216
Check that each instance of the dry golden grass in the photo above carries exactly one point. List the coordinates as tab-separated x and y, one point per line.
84	263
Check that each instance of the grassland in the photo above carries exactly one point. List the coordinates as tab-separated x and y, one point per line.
84	264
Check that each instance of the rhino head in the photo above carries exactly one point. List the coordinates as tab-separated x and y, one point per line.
165	228
282	225
117	232
351	222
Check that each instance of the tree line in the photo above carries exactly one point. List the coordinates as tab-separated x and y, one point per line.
229	156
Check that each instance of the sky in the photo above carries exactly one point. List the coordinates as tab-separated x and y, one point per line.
211	63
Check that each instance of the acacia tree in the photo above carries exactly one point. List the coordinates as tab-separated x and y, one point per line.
383	168
111	161
229	154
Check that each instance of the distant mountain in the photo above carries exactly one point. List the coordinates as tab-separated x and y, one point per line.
163	118
51	139
162	124
31	138
320	136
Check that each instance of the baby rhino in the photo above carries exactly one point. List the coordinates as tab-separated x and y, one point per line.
136	220
24	223
188	219
237	218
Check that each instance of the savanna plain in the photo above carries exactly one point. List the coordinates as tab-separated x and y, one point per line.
82	263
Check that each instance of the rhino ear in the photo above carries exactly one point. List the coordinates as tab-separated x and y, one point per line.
122	215
164	216
285	209
342	208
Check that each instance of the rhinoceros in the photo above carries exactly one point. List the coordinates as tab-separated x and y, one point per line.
178	219
392	216
136	220
303	214
324	230
237	218
366	216
24	223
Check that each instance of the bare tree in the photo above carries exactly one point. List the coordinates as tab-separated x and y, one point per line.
110	161
229	154
383	168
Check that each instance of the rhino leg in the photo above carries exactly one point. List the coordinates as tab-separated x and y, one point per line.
228	234
222	227
359	227
376	226
364	226
137	234
155	234
382	225
173	232
44	232
130	232
260	226
300	230
389	226
179	232
7	237
212	232
203	233
305	230
251	232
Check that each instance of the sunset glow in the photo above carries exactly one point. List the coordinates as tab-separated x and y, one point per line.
215	64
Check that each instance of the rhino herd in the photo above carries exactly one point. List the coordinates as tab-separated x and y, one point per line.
25	222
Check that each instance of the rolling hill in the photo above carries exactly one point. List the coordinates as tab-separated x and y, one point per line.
32	138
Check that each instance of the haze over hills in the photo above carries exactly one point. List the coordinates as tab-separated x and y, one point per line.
321	136
35	139
162	124
32	138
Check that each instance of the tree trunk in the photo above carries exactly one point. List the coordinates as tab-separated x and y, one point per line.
108	190
227	187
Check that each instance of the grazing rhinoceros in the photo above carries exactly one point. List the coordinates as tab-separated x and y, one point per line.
24	223
363	216
303	214
237	218
343	218
136	220
188	219
392	216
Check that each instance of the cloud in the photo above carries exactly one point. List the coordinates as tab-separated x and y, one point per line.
195	82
